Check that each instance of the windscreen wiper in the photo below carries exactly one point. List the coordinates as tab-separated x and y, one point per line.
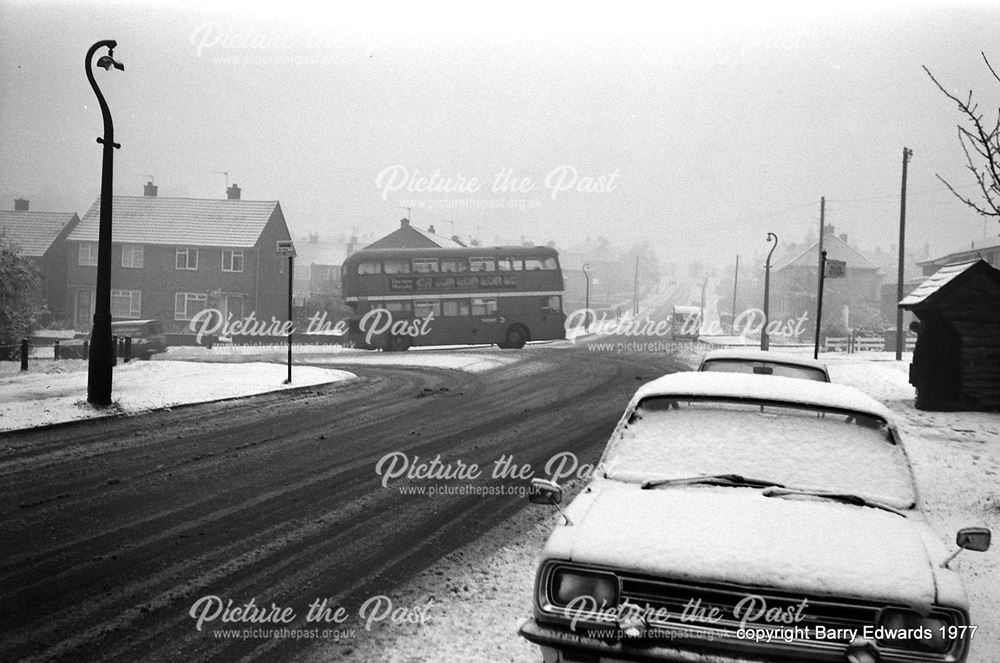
846	498
713	480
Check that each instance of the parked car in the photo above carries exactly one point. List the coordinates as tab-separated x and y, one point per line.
749	518
765	362
147	337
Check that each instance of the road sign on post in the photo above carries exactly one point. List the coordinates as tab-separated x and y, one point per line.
835	269
286	248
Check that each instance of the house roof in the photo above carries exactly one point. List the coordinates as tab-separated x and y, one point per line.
836	249
945	280
34	232
963	255
193	221
408	236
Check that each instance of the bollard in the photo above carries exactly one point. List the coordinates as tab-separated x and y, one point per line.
55	349
127	354
24	354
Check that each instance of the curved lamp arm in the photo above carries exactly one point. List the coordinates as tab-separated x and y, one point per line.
771	237
107	62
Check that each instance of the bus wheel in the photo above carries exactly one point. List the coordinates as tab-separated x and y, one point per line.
516	337
398	343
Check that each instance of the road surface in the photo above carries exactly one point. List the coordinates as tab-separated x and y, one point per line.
113	529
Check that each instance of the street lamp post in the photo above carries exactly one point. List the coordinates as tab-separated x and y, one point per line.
101	348
586	306
765	342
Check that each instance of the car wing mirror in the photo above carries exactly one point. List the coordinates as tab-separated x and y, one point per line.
545	491
970	538
974	538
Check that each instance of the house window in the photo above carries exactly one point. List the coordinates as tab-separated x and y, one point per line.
126	304
188	304
88	254
232	260
187	258
132	255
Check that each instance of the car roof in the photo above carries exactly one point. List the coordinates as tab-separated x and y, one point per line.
738	386
764	355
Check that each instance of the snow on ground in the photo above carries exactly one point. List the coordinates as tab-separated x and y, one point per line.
56	391
436	357
482	591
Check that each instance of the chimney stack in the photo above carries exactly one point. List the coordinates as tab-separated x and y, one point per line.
233	192
403	223
843	237
149	189
20	205
430	229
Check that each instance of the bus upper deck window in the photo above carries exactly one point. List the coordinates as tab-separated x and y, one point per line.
452	265
368	267
482	265
532	263
550	263
396	266
425	265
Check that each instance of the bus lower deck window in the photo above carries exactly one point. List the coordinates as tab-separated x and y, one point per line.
455	307
424	308
484	306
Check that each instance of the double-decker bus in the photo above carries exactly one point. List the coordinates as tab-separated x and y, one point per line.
453	296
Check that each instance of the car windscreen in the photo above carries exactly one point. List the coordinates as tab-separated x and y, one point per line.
798	447
764	368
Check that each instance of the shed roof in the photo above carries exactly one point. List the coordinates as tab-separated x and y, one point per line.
945	281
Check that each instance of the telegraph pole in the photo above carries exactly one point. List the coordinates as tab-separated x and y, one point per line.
819	277
736	280
900	336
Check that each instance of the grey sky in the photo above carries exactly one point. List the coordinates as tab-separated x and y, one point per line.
715	126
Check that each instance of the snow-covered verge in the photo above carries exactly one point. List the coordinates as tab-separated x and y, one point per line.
482	591
56	391
437	357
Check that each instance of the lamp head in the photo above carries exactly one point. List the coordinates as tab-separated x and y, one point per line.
108	61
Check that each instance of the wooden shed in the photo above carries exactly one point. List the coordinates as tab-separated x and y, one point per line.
956	361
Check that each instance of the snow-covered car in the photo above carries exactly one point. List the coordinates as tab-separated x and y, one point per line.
749	518
147	339
764	362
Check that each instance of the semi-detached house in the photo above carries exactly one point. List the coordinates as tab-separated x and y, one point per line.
174	257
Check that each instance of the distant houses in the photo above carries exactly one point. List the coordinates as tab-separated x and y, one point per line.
849	302
174	257
41	237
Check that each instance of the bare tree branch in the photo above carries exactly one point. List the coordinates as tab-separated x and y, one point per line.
981	147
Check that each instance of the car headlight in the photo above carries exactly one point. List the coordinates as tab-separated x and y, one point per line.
901	629
571	585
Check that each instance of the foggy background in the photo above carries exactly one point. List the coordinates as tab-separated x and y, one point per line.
716	125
